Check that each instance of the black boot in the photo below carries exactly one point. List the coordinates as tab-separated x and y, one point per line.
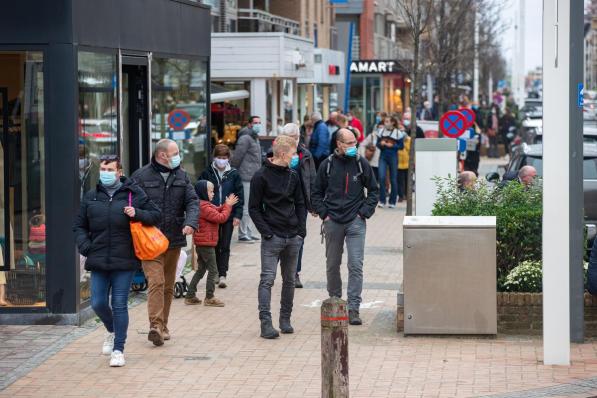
297	282
285	326
354	318
267	329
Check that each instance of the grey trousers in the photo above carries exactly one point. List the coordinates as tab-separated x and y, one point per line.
284	250
247	229
354	234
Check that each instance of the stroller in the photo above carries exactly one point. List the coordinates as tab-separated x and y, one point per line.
140	284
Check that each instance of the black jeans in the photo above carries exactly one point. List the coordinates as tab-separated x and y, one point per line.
223	247
402	179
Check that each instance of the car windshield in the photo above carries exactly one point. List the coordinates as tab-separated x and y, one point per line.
589	166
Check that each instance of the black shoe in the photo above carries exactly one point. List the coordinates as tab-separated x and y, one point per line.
256	239
297	282
245	240
285	326
354	318
267	330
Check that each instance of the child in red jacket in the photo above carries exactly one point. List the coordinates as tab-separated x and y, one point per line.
206	239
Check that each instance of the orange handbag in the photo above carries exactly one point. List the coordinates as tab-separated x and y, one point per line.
149	242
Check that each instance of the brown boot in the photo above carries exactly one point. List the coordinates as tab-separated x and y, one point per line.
213	302
155	336
192	301
166	334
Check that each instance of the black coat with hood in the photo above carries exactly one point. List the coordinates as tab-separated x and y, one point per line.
229	183
175	197
102	229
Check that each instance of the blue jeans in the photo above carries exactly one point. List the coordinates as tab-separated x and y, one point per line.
116	317
388	160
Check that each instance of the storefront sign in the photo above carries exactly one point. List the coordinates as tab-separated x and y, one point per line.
374	67
334	70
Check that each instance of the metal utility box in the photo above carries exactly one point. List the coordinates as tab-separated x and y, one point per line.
450	275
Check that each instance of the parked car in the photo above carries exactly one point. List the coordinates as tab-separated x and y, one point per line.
532	155
532	109
589	110
534	135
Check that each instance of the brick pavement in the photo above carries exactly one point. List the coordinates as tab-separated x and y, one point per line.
217	352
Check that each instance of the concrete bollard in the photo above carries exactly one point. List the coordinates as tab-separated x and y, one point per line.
334	349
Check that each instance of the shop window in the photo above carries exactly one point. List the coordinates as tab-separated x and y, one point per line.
228	117
22	182
181	84
97	124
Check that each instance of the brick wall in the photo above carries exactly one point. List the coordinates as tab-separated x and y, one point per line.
522	313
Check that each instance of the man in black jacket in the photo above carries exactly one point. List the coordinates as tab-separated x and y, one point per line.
277	207
345	195
169	187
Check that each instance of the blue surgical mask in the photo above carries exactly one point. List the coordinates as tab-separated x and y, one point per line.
351	152
294	162
257	128
174	161
377	119
108	178
406	122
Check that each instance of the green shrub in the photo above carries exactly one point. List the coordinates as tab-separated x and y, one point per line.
526	277
518	210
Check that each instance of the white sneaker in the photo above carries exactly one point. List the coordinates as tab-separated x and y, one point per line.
392	206
108	344
117	359
222	284
381	205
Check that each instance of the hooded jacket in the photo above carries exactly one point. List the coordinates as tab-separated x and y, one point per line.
341	194
175	197
210	218
247	154
276	203
229	183
102	229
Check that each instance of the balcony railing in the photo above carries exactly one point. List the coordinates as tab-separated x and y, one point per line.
283	24
386	48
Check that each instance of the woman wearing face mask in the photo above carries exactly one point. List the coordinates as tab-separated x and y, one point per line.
103	235
391	140
227	181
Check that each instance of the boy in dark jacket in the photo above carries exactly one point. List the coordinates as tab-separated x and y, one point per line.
277	207
345	196
206	239
226	180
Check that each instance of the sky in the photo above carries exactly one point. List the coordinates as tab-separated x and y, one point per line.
533	32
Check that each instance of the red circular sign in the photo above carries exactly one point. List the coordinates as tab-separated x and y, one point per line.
178	119
470	116
453	124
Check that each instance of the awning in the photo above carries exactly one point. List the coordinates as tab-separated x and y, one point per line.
220	94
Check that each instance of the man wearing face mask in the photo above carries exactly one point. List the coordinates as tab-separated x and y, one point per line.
345	195
277	207
169	187
247	160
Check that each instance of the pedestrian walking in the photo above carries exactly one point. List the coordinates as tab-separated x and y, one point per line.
369	150
206	240
227	181
307	174
277	207
103	235
345	196
342	122
169	187
247	160
403	160
391	140
354	121
319	144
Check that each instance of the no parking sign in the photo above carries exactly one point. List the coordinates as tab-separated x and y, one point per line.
453	124
178	119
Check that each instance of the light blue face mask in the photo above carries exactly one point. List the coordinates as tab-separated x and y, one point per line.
351	152
257	128
108	178
174	162
294	162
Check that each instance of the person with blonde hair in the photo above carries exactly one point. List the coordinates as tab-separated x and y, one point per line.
277	207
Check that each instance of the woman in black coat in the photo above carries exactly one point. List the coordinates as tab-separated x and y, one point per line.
103	235
226	181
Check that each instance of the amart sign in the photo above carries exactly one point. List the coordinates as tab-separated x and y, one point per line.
374	67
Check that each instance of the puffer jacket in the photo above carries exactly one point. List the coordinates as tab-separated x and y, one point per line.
230	183
102	230
175	197
210	219
247	154
319	145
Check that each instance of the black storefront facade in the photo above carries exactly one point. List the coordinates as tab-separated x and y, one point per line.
80	79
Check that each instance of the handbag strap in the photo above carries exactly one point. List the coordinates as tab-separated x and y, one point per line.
130	199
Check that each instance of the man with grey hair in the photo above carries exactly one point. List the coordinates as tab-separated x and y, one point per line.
170	188
307	173
527	175
467	180
319	145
